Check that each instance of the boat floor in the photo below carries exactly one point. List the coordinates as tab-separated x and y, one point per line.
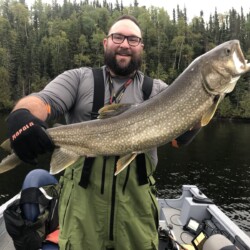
173	225
6	241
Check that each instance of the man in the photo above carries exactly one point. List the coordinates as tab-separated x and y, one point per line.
97	210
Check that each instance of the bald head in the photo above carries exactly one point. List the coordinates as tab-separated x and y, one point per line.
125	27
128	22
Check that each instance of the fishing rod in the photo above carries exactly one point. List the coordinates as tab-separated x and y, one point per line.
167	233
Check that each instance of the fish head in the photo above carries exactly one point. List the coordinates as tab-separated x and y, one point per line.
222	67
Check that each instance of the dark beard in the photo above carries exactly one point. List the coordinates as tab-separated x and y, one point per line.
110	61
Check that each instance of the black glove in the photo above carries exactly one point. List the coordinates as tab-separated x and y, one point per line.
28	136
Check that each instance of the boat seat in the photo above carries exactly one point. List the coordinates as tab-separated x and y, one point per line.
36	178
218	242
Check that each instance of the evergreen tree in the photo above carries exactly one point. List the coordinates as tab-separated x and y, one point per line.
39	43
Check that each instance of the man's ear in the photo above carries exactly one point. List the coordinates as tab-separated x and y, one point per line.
104	42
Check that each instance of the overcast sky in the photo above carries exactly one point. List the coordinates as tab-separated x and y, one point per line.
193	6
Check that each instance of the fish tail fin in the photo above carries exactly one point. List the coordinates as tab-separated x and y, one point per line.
6	145
9	162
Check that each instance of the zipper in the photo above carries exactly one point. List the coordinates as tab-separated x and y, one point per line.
112	210
103	174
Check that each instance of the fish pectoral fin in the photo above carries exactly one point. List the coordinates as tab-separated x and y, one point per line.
9	162
124	161
6	146
207	117
113	110
61	159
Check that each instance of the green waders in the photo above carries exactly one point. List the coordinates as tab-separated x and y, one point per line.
111	213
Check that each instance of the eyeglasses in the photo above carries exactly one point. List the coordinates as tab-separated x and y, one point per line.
119	39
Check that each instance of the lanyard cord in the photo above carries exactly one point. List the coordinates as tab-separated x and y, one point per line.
116	97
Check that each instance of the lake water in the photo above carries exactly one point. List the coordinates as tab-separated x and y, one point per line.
217	161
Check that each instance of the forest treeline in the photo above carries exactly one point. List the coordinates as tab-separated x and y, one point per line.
41	41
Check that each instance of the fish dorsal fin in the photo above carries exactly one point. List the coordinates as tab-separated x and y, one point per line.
124	161
113	109
207	117
61	159
6	145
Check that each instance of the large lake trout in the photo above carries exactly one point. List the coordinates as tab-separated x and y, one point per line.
127	129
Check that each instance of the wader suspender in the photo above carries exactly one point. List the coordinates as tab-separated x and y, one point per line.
98	102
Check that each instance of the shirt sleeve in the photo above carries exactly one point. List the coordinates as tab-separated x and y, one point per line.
187	137
61	92
158	86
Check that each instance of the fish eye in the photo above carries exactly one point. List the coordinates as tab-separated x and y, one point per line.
228	51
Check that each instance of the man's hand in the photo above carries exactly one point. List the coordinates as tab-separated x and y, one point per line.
28	136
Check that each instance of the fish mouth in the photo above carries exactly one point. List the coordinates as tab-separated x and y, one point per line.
226	69
241	64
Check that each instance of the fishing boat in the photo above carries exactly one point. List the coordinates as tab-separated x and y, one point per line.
191	221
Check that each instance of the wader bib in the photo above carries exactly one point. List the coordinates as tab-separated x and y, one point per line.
99	211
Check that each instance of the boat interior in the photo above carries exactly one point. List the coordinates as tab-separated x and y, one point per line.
194	222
